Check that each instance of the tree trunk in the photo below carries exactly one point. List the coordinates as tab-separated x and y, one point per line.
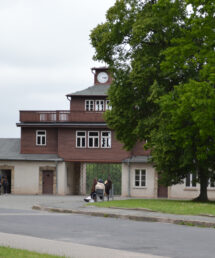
203	180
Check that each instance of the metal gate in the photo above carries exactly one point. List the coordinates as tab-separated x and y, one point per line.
100	170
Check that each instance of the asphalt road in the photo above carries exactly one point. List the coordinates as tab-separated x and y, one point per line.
143	237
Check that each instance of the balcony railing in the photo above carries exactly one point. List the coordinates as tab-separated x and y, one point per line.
61	116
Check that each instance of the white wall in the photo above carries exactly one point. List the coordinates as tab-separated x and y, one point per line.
149	191
26	175
180	191
61	178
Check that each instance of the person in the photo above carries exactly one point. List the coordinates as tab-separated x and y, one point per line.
93	189
108	186
100	186
5	184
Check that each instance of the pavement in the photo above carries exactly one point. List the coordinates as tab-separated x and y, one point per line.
76	205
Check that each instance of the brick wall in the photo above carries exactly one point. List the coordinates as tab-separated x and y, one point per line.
28	141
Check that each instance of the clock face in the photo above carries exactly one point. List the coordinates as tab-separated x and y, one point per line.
102	77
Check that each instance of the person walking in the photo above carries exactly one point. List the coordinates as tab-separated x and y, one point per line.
108	187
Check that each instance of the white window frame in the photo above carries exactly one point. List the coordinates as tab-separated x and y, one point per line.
209	182
81	138
41	137
94	138
89	105
191	182
99	105
141	171
107	106
107	140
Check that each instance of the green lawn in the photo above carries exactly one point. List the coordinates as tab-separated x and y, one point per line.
6	252
165	206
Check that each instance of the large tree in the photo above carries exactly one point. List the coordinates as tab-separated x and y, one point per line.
185	141
151	46
131	42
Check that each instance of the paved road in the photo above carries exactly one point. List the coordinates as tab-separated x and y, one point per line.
153	238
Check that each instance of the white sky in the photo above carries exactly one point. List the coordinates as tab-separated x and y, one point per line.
45	53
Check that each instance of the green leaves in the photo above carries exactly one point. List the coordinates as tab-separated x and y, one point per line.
162	57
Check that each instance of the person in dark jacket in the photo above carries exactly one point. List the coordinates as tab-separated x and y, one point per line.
93	189
5	184
108	187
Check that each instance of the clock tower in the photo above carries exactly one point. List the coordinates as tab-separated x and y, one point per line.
101	75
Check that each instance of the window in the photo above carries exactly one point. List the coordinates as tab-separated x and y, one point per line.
89	105
43	117
80	139
41	137
190	180
108	107
106	139
140	178
93	139
53	116
99	105
211	181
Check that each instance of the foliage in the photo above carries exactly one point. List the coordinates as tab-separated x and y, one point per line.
165	206
185	142
131	41
152	46
102	171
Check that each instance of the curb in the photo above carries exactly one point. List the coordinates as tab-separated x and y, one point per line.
130	217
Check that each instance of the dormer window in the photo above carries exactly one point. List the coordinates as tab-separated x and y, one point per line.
99	105
89	105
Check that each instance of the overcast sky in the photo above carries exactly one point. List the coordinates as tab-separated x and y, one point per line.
45	53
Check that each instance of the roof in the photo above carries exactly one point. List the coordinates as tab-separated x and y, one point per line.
64	124
96	90
10	150
137	159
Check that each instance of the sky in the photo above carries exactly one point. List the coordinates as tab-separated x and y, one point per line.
45	53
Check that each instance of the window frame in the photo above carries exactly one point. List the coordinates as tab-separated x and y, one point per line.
81	137
41	138
107	106
106	137
140	178
90	104
192	185
100	107
93	137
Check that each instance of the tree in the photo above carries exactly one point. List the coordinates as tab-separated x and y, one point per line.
150	47
131	42
185	141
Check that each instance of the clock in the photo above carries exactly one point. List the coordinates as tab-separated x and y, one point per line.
102	77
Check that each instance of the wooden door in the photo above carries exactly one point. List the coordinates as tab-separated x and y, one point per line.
162	191
47	182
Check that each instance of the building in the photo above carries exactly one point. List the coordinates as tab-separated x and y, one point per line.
55	146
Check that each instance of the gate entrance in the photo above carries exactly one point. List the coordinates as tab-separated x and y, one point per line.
47	182
100	170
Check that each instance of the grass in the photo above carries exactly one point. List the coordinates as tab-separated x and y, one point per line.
7	252
165	206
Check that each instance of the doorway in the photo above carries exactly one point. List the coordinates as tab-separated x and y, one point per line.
6	173
47	182
162	191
